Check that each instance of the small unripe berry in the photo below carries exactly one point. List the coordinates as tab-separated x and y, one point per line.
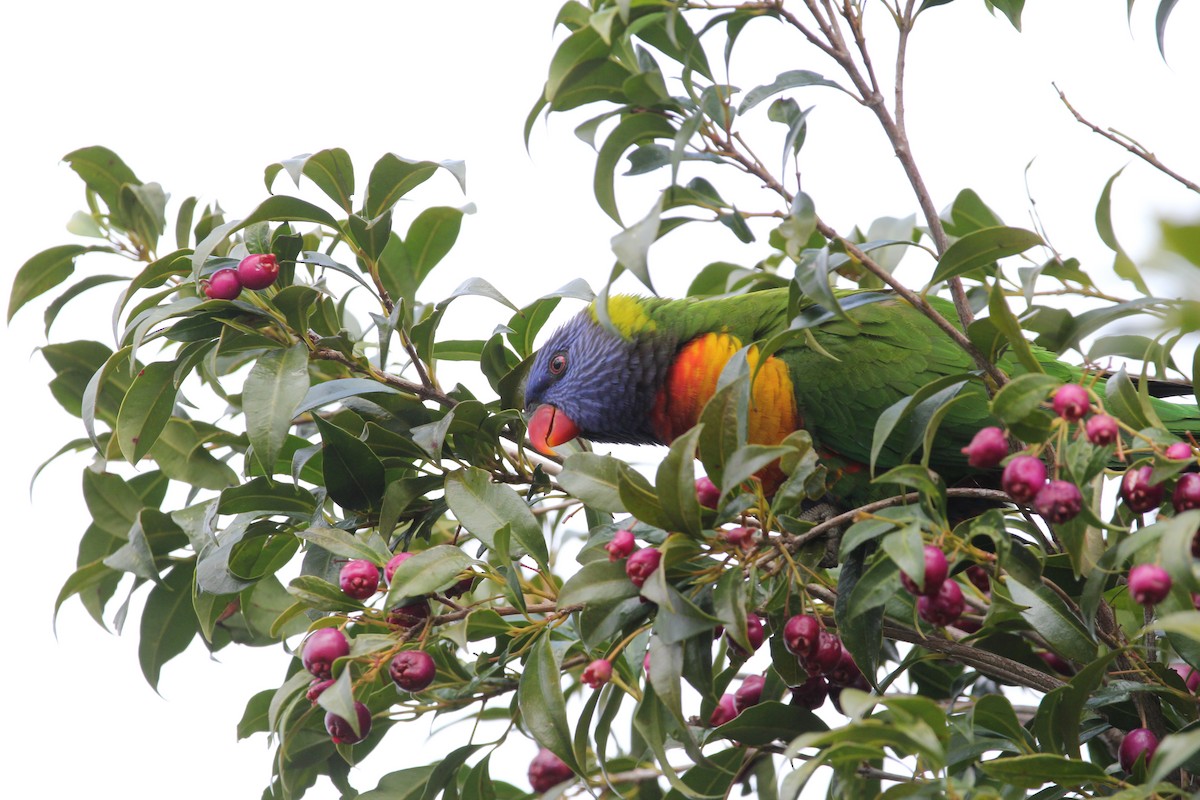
359	579
315	688
741	536
621	546
1058	501
944	608
412	670
223	284
258	271
936	569
1071	402
1149	584
547	771
340	730
321	649
1137	491
811	694
1187	492
393	563
1137	743
409	616
749	693
1179	451
597	673
724	712
707	492
1102	430
800	635
641	564
1023	477
988	448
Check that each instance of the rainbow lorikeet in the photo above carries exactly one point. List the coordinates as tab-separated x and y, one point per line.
648	380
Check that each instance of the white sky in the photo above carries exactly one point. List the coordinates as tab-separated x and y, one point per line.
201	97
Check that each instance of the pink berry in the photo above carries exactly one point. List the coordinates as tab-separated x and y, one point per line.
1023	477
811	694
1137	491
1102	430
749	693
936	569
1138	743
754	632
258	271
943	609
340	730
1071	402
1058	501
800	635
412	670
321	649
315	688
597	673
741	536
1179	451
1187	492
987	449
1149	584
621	546
724	712
223	284
707	492
393	563
1190	675
359	579
641	564
409	616
547	771
828	655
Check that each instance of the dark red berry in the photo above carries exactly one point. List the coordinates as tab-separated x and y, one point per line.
393	563
724	712
1190	675
1023	477
936	569
547	771
1058	501
412	670
621	546
1102	430
597	673
749	693
811	694
1149	584
1071	402
944	608
1187	492
315	688
1056	662
359	579
707	492
223	284
463	586
409	616
979	576
258	271
1137	491
828	655
987	449
800	635
1179	451
641	564
340	730
1138	743
321	649
754	632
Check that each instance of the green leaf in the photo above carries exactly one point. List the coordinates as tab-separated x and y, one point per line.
44	271
540	700
1031	771
147	406
1122	264
595	480
90	282
632	245
599	581
785	80
675	483
1022	396
633	130
770	721
353	474
274	388
980	248
1048	614
1174	751
1006	322
168	621
484	507
331	170
392	177
429	239
427	572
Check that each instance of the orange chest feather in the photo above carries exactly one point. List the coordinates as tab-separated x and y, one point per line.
692	381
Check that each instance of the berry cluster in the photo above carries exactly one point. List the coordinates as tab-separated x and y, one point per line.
257	271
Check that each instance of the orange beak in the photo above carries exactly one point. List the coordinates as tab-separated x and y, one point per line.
550	427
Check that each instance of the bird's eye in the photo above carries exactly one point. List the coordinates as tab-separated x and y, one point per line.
558	364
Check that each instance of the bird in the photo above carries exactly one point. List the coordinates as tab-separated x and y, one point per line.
643	376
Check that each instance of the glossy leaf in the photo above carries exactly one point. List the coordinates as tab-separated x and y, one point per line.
147	407
484	507
274	388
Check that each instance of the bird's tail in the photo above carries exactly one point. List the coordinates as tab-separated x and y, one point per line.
1179	418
